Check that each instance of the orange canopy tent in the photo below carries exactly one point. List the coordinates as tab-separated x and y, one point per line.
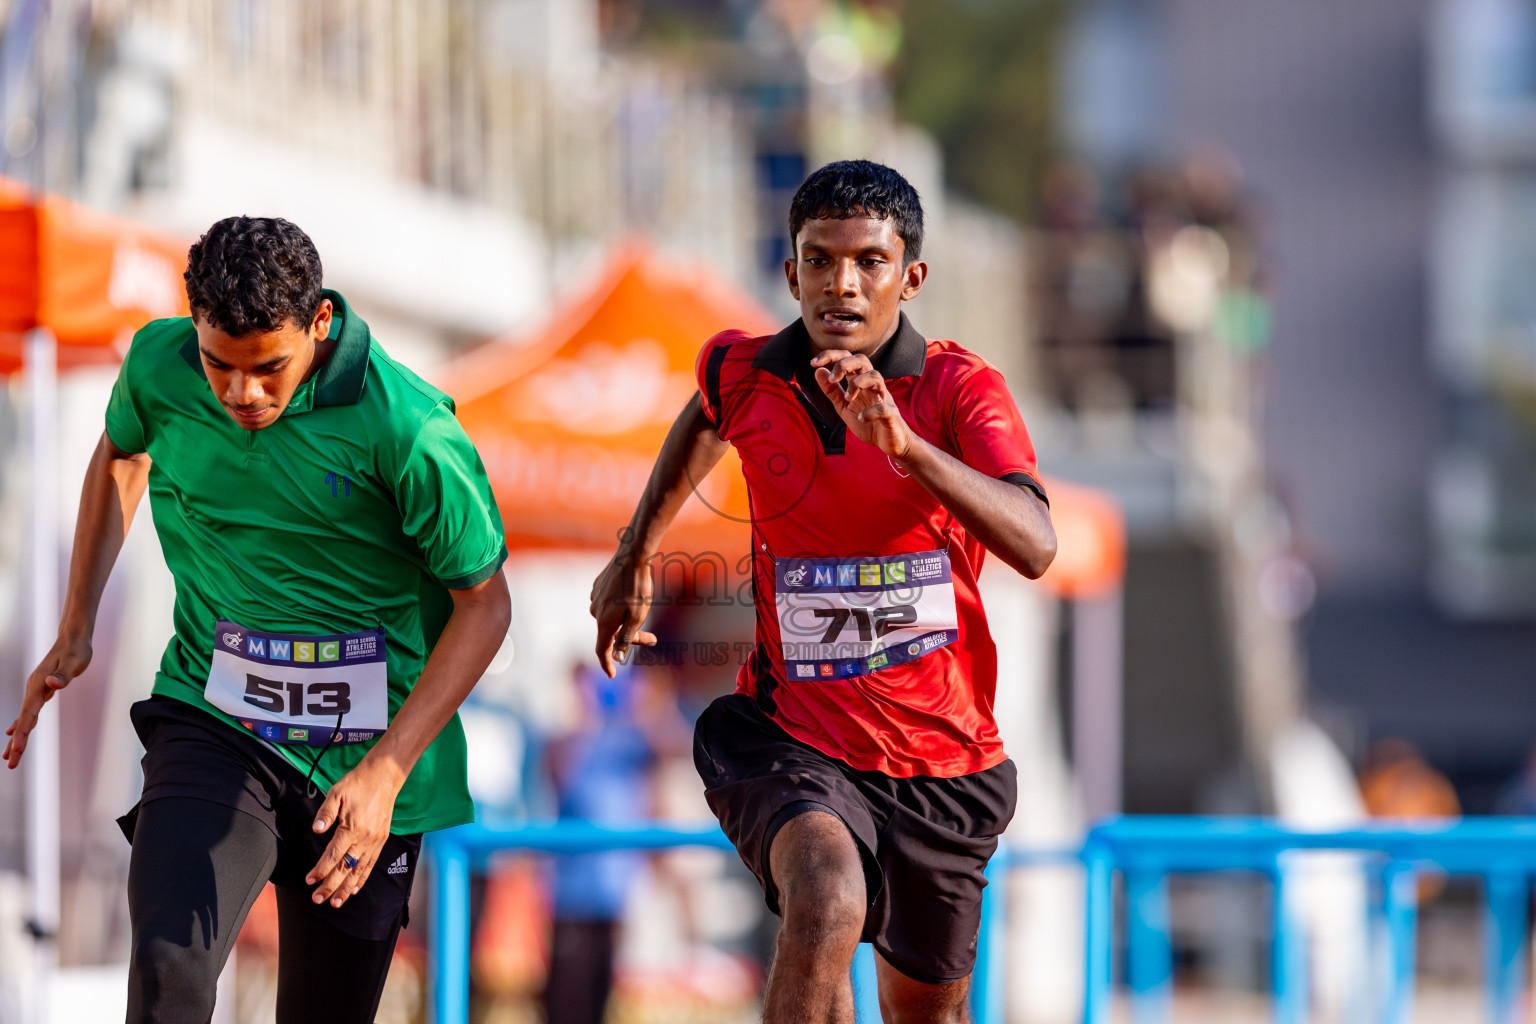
90	279
1090	541
569	424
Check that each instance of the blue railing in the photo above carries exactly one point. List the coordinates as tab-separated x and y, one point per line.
1144	852
454	851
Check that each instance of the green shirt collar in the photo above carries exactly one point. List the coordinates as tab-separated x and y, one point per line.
340	380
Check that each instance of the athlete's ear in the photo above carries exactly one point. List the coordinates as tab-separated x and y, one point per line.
915	273
320	326
792	275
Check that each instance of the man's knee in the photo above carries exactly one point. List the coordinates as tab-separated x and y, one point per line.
169	982
819	873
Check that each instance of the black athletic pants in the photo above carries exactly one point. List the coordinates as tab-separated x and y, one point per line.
197	868
580	971
222	814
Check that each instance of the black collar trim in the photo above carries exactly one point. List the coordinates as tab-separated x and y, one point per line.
904	355
340	381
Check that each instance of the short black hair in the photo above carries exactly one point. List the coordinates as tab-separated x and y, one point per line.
250	274
859	188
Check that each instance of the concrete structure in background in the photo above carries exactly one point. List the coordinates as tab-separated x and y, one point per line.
1387	145
1146	344
1483	324
1393	218
1329	110
1323	107
455	161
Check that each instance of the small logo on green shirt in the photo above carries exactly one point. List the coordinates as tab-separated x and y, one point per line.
341	486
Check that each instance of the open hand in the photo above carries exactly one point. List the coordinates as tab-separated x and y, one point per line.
857	391
361	805
621	599
63	663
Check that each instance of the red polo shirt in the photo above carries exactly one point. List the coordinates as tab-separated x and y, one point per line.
872	645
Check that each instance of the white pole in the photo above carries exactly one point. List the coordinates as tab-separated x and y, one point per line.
43	598
1098	701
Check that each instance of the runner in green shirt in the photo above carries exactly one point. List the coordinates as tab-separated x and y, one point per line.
337	556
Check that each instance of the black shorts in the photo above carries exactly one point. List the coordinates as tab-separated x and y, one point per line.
189	753
925	841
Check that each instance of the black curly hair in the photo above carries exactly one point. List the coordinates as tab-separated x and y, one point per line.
253	274
859	188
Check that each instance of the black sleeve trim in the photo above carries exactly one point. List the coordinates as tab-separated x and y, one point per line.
712	383
480	575
1027	481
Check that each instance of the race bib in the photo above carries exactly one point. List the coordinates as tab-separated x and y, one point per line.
842	617
301	689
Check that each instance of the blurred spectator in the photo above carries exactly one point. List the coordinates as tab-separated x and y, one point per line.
1135	278
1398	783
511	951
1084	272
603	771
1518	797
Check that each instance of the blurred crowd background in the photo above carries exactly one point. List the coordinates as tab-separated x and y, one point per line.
1260	275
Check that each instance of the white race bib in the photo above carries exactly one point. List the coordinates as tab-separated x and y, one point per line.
842	617
301	689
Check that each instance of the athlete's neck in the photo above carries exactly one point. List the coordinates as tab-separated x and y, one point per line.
319	356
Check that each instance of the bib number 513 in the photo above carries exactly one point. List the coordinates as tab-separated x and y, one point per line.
277	697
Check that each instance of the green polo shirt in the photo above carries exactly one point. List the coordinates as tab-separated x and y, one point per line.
360	508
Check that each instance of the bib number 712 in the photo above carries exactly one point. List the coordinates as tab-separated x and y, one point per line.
278	698
880	621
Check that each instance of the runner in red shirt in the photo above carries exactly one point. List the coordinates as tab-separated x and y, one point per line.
857	768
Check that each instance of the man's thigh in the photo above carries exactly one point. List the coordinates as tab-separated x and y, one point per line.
757	779
332	961
196	869
933	854
380	908
326	975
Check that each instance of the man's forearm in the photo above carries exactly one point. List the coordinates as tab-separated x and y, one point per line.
691	450
114	484
1009	521
471	638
